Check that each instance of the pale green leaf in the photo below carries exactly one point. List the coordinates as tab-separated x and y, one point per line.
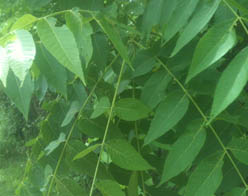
231	83
68	187
207	176
60	42
115	38
53	71
168	114
154	89
54	144
102	106
131	109
21	53
211	47
4	66
24	22
184	151
205	11
179	17
86	151
125	156
20	94
109	188
239	148
82	32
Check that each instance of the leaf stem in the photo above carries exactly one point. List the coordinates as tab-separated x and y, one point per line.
206	121
107	128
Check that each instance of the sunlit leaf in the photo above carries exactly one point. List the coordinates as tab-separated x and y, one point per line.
211	47
60	42
109	188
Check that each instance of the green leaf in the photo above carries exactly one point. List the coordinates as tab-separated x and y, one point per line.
109	188
54	144
207	177
231	83
21	53
211	47
86	151
125	156
168	114
54	73
102	106
205	11
68	187
239	148
133	185
82	32
74	108
184	151
154	89
115	38
60	42
131	109
237	191
24	22
179	18
20	94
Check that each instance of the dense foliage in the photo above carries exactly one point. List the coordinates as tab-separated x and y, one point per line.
139	97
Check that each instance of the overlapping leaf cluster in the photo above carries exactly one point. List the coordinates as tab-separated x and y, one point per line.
149	96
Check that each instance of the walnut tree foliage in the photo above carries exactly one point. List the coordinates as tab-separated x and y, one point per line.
142	97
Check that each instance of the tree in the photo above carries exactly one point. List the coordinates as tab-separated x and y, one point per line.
142	97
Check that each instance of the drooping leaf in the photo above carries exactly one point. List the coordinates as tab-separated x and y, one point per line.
154	89
231	83
54	73
211	47
68	187
74	108
60	42
131	109
24	22
115	38
20	94
179	17
82	32
125	156
207	176
86	151
102	106
184	151
21	53
239	148
168	114
205	11
54	144
109	188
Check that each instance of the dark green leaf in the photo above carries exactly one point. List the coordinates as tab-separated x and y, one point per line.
131	109
125	156
109	188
